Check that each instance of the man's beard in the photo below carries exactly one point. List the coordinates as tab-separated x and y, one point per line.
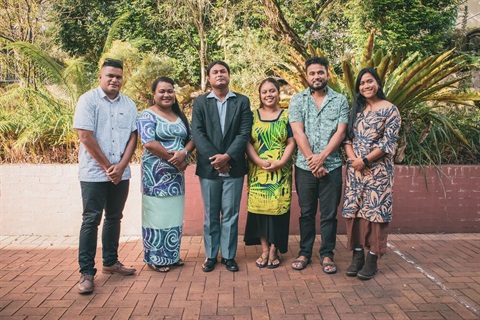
317	88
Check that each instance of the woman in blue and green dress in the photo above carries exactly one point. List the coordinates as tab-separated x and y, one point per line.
165	134
270	177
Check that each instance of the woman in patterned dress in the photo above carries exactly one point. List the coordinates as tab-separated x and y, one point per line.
270	177
165	133
372	133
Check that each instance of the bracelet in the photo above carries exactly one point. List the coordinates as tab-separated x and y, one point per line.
366	162
186	152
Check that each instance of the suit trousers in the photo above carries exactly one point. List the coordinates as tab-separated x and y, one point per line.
327	189
97	196
221	202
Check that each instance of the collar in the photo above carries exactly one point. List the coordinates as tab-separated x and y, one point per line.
230	94
308	91
103	95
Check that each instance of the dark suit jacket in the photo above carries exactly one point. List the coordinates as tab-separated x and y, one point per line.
208	138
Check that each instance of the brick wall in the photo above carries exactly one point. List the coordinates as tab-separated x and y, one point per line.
45	200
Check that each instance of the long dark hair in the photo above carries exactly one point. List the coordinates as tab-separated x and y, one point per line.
272	81
175	107
359	101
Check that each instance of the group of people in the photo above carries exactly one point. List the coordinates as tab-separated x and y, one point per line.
232	141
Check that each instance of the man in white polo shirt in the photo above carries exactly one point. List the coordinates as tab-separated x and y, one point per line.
105	121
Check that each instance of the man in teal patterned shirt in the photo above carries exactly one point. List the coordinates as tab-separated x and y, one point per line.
318	117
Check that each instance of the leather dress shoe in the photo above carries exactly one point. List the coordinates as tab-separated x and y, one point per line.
120	269
230	264
85	285
209	264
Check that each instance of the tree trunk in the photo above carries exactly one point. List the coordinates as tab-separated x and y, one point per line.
281	27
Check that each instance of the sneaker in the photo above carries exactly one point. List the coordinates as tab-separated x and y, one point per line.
85	285
120	269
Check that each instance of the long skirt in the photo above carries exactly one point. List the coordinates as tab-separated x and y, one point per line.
162	221
274	228
362	233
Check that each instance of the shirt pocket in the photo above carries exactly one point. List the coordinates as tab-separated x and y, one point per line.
123	121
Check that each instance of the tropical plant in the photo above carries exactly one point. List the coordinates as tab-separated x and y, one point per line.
427	93
35	122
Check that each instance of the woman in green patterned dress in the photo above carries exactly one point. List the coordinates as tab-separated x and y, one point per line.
270	177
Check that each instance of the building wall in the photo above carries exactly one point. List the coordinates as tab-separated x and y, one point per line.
45	200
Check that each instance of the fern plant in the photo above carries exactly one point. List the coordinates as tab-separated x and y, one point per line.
427	92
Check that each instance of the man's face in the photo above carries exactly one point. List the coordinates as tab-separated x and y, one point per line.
111	80
317	77
219	78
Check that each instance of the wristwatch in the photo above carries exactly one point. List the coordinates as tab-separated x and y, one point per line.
186	152
366	162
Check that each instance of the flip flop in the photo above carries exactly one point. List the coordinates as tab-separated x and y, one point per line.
303	263
261	261
156	268
272	264
326	265
179	263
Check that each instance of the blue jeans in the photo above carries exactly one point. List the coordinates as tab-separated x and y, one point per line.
97	196
221	198
327	189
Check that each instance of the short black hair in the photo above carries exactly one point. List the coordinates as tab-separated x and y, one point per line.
214	63
113	63
316	60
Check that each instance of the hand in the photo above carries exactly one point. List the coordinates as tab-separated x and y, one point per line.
182	166
225	169
262	163
115	173
273	166
359	165
219	161
315	162
178	157
320	172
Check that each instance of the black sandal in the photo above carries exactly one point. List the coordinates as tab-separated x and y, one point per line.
156	268
179	263
328	267
303	263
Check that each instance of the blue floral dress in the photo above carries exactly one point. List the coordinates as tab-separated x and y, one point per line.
369	195
163	189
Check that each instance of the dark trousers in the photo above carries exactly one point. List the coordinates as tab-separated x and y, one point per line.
97	196
327	189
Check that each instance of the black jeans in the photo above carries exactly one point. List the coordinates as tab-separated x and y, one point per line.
309	190
97	196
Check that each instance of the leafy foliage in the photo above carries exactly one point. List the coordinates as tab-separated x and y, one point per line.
178	39
403	26
425	90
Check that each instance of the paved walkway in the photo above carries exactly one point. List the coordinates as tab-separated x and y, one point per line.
421	277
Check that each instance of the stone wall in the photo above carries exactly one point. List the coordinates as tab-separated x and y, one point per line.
45	200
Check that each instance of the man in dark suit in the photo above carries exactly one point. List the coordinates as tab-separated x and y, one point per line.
221	125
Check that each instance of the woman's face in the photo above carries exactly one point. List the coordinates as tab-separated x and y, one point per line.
164	95
368	86
269	95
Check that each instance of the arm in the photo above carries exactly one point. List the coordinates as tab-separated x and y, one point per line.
252	154
301	138
115	172
199	132
179	158
287	154
93	148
